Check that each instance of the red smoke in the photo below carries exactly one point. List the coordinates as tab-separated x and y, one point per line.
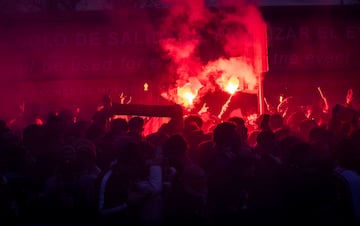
232	72
236	30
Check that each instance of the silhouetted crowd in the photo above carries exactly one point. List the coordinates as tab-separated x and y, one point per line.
279	170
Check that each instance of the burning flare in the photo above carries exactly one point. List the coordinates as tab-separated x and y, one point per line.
232	85
235	73
187	93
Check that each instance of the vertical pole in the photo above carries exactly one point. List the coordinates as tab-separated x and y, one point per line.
261	62
261	94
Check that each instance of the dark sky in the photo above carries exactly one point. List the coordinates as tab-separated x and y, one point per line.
100	3
304	2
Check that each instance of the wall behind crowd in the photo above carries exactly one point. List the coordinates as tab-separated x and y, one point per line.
310	47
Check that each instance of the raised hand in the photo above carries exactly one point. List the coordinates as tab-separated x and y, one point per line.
203	109
349	96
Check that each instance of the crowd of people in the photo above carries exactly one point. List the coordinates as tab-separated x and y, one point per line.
291	169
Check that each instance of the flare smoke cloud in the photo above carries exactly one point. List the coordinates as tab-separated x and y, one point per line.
210	47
